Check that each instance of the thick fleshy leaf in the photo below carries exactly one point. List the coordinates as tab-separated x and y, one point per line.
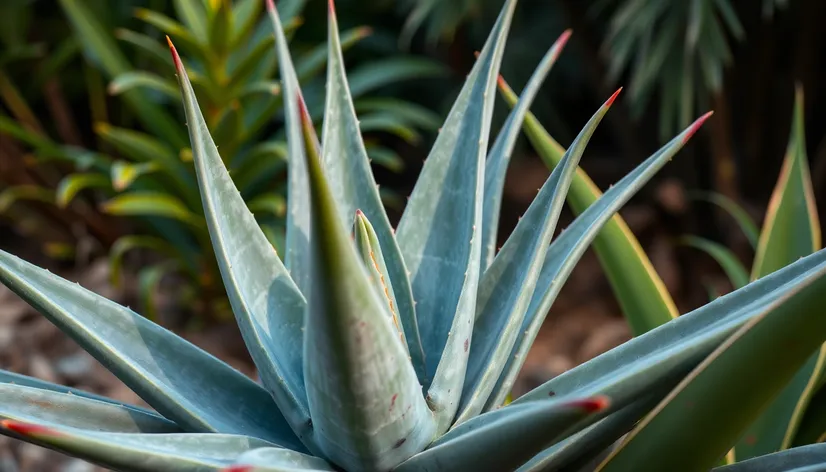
365	399
72	184
499	156
507	286
439	233
135	452
578	449
791	230
663	356
736	273
7	377
569	247
713	406
48	408
347	168
271	459
267	304
504	439
641	293
372	257
786	461
173	376
297	256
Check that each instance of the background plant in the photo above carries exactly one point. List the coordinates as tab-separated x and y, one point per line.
147	176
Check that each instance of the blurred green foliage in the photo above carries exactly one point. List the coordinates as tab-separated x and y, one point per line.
141	184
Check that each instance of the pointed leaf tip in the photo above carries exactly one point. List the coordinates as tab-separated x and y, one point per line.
613	97
238	468
592	405
331	5
26	429
696	125
175	57
270	5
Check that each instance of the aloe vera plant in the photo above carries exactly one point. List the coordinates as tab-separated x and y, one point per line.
383	350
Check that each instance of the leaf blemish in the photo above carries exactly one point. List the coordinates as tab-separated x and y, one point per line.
393	401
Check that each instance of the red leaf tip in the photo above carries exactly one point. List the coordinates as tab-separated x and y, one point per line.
302	108
175	57
593	404
613	97
270	5
331	5
26	429
696	125
359	213
238	468
564	37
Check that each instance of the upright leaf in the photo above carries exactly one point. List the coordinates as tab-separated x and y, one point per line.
641	293
267	304
569	247
791	230
507	286
297	257
365	399
712	407
496	166
351	180
439	233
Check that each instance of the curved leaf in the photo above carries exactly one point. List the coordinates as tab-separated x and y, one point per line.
72	184
569	247
35	193
736	273
151	204
741	217
439	230
714	405
787	460
268	306
140	79
663	356
123	174
640	291
133	452
170	374
351	180
272	459
127	243
791	230
47	408
496	167
507	286
516	433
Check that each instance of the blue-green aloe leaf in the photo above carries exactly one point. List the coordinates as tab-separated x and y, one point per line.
787	461
351	180
173	376
714	405
440	230
136	452
267	304
496	166
791	229
644	300
507	286
516	433
365	399
49	408
297	256
662	357
273	459
569	247
7	377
